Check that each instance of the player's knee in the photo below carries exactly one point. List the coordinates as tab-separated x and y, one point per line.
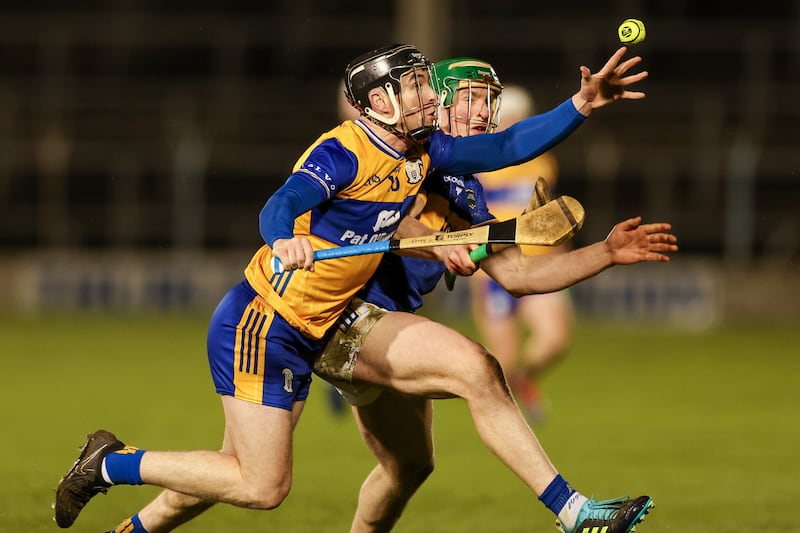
412	475
491	369
266	498
485	370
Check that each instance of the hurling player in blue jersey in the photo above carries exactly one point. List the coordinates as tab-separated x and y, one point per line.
353	185
414	360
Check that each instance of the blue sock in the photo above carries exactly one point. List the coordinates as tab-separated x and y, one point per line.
122	467
565	502
130	525
556	494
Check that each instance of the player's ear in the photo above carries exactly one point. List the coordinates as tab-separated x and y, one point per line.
379	101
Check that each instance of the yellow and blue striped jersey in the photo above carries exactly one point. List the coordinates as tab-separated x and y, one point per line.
365	206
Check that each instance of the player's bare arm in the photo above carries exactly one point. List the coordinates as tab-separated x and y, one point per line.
628	242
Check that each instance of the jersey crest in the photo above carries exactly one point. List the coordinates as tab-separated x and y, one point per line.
414	171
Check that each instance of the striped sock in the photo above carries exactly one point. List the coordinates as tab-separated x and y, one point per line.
130	525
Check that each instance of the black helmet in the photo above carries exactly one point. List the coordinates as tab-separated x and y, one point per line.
382	68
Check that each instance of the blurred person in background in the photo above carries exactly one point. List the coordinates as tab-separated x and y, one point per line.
527	334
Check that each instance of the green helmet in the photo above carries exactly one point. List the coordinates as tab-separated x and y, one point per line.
450	75
460	72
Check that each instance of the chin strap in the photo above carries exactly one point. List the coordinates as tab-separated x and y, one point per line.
420	135
395	104
394	131
415	136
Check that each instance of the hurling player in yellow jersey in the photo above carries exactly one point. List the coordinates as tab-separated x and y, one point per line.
353	185
413	360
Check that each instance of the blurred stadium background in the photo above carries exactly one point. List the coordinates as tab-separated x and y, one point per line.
141	138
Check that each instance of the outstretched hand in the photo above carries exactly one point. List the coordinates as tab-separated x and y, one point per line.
630	242
609	84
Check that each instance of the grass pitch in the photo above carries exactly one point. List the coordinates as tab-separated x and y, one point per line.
707	424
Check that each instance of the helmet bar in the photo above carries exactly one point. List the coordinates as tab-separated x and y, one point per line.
466	73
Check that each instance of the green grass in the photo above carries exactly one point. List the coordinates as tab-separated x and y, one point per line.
707	424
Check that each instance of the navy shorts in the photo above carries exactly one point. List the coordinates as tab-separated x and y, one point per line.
255	355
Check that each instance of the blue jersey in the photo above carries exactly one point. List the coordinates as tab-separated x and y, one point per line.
452	203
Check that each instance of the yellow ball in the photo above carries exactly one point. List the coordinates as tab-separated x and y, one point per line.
631	31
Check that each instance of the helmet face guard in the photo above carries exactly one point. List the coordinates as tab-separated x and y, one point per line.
466	73
382	68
